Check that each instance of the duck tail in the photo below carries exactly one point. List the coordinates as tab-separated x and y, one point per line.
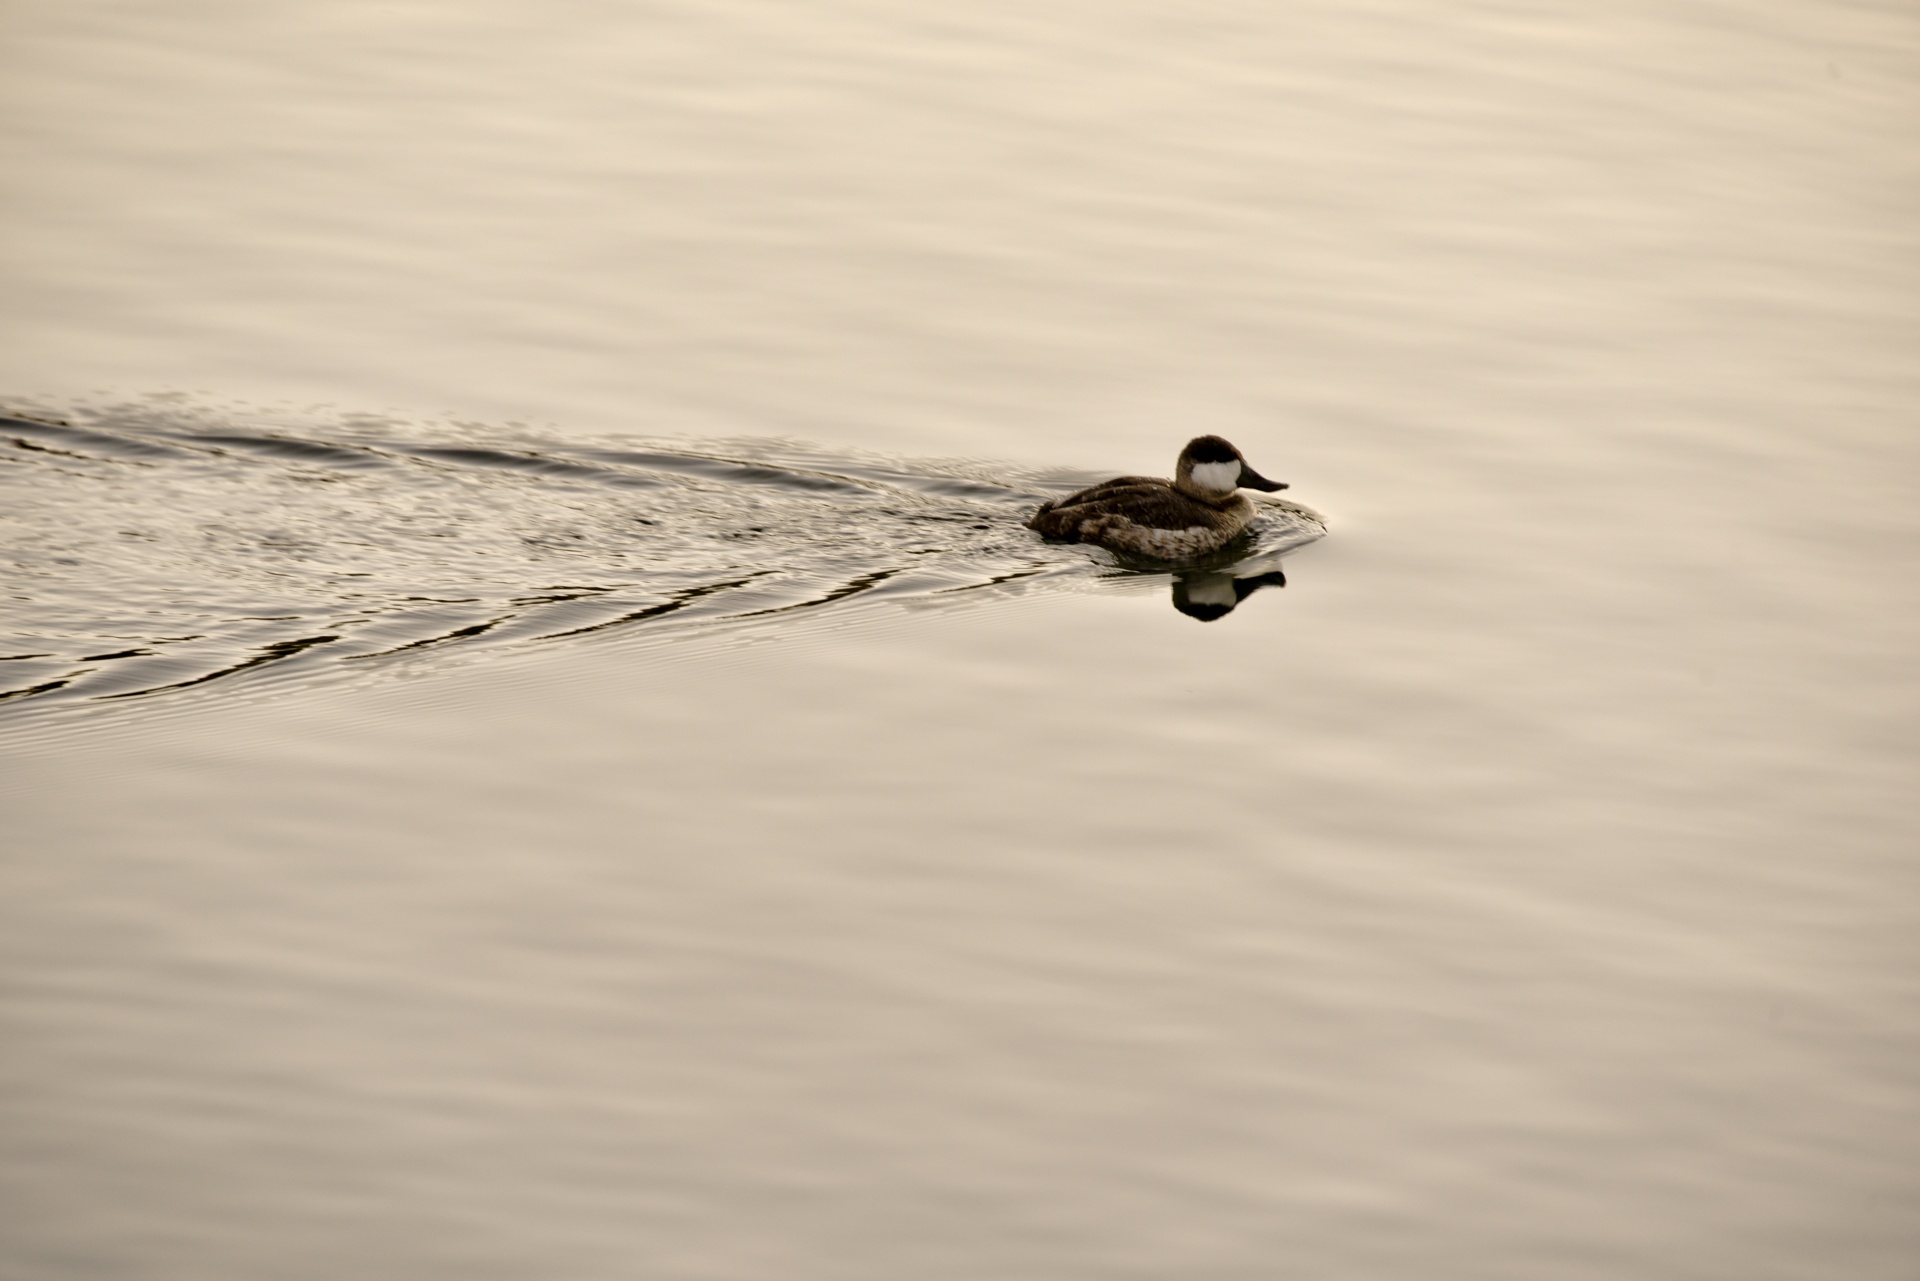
1039	519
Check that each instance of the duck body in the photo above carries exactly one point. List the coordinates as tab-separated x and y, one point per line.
1200	510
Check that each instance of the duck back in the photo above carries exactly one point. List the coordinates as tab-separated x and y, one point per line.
1145	516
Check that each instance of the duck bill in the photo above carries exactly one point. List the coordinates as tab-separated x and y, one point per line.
1251	479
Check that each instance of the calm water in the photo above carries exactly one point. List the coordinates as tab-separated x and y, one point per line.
539	747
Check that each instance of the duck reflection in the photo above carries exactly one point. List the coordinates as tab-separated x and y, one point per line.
1209	594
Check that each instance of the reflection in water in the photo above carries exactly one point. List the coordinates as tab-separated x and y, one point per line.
156	549
1211	594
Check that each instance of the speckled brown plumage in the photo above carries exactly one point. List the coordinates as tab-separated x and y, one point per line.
1166	519
1146	516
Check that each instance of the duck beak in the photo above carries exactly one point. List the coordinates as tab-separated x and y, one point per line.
1251	479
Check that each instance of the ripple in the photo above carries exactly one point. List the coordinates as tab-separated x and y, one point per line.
163	550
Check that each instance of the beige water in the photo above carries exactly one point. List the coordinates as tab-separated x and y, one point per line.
1527	889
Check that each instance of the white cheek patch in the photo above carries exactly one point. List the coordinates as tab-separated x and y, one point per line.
1212	589
1218	477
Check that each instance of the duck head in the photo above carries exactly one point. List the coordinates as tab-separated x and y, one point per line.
1212	468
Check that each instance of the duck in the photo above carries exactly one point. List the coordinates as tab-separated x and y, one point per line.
1200	510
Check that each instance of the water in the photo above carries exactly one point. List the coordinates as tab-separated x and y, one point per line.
156	551
828	878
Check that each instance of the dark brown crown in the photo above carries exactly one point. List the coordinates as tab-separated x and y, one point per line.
1211	449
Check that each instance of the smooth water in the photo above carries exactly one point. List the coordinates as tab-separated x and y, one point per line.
538	744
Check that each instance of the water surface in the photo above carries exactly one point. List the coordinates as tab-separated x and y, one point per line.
157	548
829	879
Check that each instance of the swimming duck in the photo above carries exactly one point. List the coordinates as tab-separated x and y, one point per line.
1199	510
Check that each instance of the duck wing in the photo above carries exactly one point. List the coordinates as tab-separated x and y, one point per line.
1151	505
1107	490
1061	517
1144	501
